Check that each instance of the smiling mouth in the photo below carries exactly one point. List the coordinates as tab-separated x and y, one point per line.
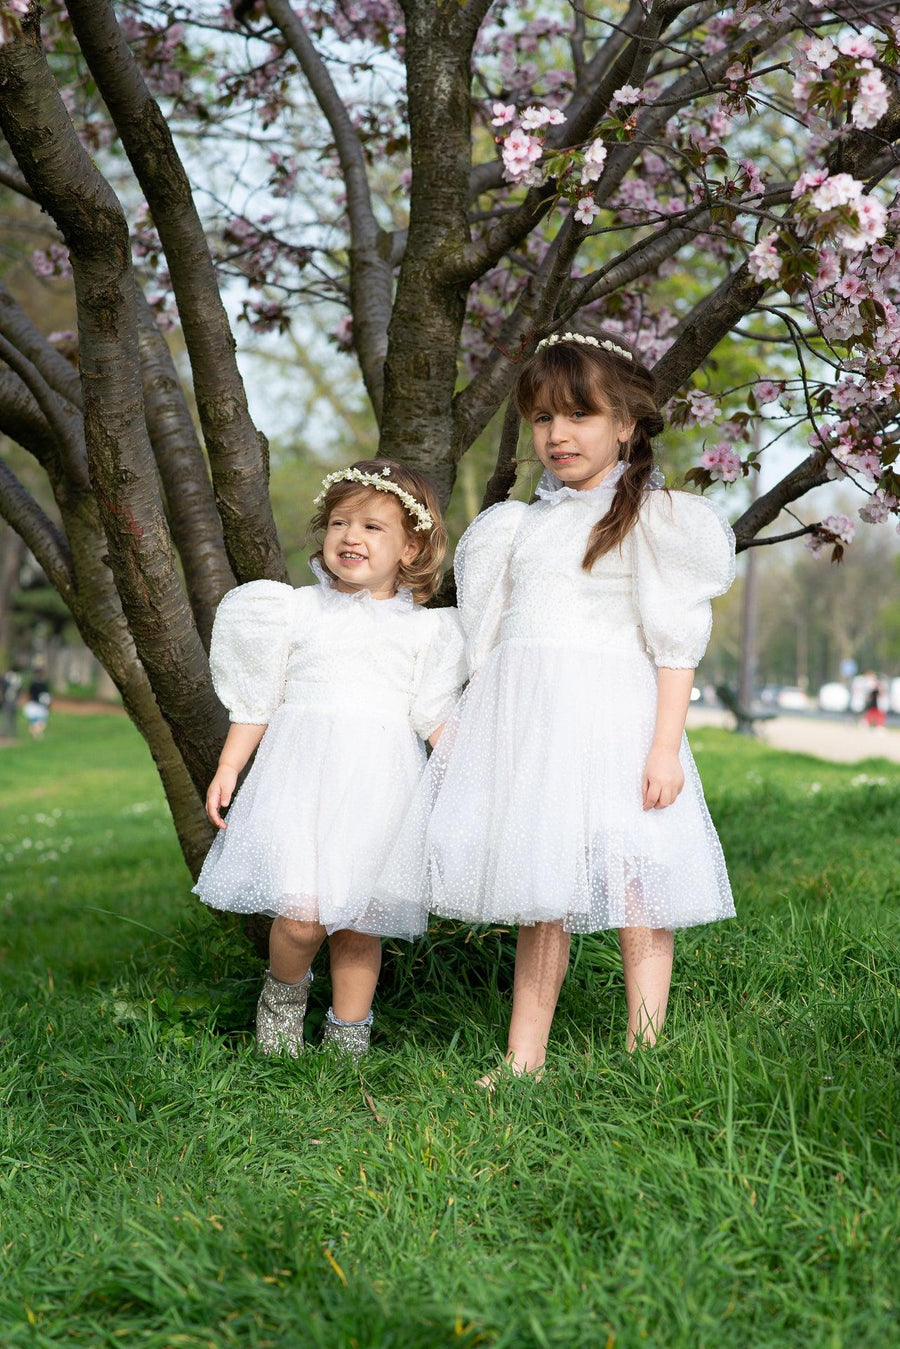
352	557
563	457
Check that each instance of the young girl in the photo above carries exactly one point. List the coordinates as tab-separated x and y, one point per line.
563	797
338	684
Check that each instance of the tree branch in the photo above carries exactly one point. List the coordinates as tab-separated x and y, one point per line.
371	276
69	187
59	374
238	453
778	538
189	501
11	177
63	419
22	420
20	510
501	481
766	508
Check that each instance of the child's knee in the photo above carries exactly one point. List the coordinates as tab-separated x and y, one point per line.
299	932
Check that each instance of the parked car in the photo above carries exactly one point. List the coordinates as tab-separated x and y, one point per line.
894	696
792	700
834	698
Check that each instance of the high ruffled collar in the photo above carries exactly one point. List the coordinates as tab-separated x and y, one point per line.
551	489
403	599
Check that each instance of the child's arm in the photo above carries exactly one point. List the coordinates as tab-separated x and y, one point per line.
663	774
240	742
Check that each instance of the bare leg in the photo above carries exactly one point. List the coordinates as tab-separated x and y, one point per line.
292	948
355	966
542	957
647	963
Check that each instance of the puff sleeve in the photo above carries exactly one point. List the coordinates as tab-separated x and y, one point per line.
684	556
481	567
440	672
249	649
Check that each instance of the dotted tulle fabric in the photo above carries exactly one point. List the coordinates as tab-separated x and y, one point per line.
530	809
348	687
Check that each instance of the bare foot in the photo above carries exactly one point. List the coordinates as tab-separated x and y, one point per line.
509	1067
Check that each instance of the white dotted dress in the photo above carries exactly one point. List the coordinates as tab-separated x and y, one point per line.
531	807
348	687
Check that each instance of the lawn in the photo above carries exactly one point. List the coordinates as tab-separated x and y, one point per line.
163	1186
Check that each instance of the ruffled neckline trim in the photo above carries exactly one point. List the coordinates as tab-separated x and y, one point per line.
552	490
402	600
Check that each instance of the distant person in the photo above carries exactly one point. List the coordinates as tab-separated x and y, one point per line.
37	708
338	684
10	685
874	713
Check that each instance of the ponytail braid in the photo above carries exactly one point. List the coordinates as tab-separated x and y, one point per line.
609	532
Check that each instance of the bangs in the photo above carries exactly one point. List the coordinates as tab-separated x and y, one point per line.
560	380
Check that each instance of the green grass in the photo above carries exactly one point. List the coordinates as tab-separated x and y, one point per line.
162	1186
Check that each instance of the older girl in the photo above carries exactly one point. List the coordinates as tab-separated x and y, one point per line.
563	796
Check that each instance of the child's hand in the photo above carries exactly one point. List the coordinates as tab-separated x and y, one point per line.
663	779
221	790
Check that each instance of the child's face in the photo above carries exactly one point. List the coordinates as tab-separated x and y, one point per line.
366	543
579	447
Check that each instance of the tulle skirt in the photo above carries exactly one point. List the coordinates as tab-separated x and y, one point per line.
311	827
530	809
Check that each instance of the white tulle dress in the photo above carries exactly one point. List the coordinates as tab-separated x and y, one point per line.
530	809
348	687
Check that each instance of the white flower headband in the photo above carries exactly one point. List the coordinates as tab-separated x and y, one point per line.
381	483
552	340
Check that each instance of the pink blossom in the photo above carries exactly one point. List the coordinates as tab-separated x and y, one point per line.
594	159
702	410
841	526
754	180
586	209
850	287
520	153
807	181
735	72
535	117
767	391
879	506
872	218
829	269
722	462
858	46
627	95
819	51
52	261
503	113
871	102
838	189
342	334
764	262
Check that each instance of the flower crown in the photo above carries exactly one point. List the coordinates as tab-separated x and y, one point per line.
586	342
381	483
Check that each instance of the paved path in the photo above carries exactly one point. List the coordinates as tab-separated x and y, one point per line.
841	741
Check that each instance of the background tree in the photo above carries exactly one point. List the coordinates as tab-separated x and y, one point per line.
443	184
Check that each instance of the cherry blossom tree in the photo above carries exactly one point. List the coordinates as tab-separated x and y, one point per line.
438	186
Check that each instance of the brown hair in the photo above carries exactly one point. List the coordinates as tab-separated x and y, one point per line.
577	375
423	574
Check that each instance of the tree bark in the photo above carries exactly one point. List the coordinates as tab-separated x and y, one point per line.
420	377
371	273
85	209
188	495
238	453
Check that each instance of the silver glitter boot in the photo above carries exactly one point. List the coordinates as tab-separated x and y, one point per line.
279	1015
350	1037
